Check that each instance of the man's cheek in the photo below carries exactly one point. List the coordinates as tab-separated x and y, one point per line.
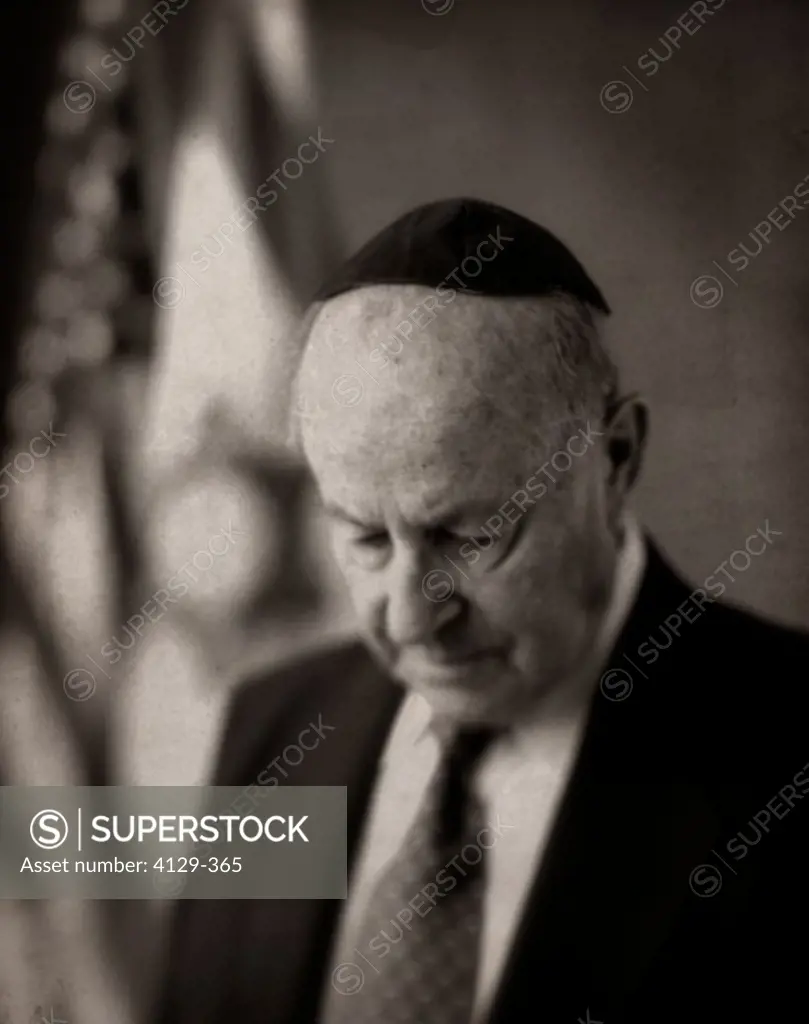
362	592
503	602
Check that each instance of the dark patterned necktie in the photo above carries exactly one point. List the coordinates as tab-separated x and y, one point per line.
414	956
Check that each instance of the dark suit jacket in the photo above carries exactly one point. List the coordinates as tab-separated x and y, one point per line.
670	891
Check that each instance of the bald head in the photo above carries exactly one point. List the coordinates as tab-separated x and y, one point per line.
521	369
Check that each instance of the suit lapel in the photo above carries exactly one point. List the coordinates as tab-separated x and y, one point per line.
360	705
631	828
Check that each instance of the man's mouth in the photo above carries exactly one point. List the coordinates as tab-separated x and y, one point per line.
446	662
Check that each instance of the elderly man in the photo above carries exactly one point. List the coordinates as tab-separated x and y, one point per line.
574	782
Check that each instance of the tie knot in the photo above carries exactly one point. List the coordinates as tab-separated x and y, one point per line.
461	750
463	747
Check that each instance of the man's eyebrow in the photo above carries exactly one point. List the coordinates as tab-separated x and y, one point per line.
336	512
476	512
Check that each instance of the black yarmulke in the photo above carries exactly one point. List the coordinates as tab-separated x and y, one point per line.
430	243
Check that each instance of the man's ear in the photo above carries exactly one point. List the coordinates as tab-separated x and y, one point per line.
626	428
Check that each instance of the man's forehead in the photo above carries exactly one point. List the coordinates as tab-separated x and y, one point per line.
376	308
464	372
368	338
422	334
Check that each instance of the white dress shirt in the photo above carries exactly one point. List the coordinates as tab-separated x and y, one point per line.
520	779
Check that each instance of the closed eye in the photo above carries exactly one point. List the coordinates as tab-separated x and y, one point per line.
440	535
373	540
495	546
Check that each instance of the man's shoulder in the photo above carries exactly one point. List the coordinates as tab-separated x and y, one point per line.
757	630
749	678
702	625
767	661
729	678
311	693
301	676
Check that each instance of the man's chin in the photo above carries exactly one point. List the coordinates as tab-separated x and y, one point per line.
470	700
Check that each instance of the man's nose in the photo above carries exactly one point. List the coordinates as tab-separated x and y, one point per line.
415	610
